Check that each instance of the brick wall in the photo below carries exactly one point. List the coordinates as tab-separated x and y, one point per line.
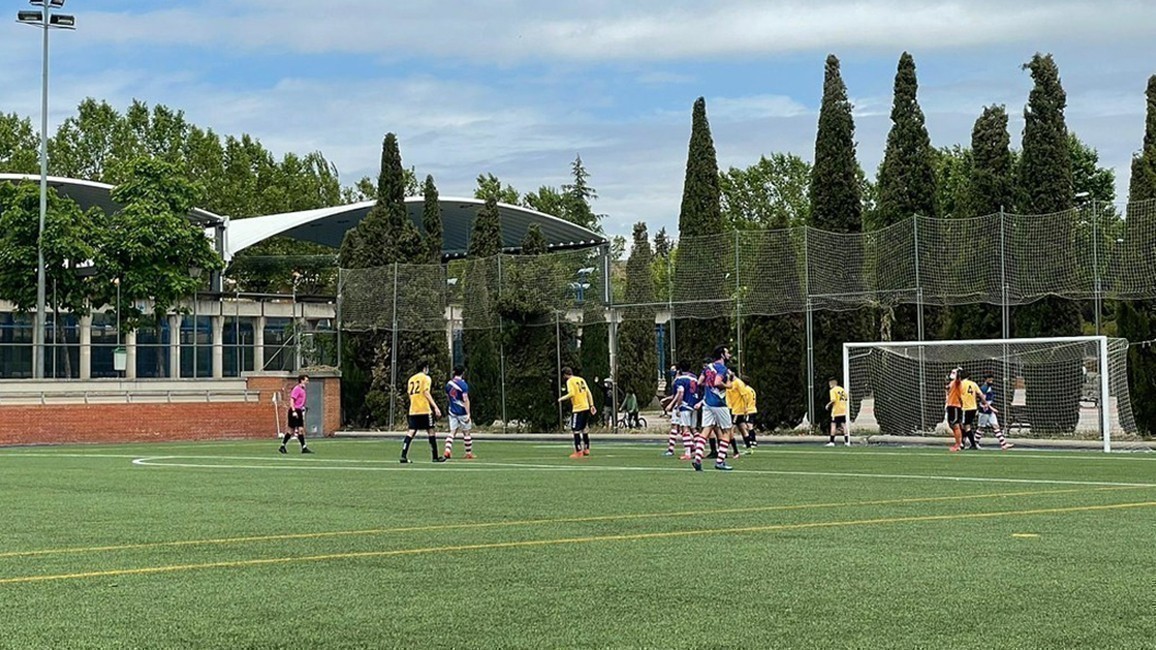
71	423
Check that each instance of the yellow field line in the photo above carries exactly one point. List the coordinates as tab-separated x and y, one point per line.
527	522
568	540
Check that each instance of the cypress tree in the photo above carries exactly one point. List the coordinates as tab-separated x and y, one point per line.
479	314
701	242
990	190
907	174
1045	186
637	340
530	333
431	221
836	206
906	188
1135	319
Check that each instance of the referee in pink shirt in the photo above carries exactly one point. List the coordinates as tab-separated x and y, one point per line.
297	415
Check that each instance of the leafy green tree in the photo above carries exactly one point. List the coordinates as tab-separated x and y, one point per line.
19	145
952	179
700	228
836	206
150	246
772	191
547	200
1045	185
490	187
637	340
577	195
69	237
1136	318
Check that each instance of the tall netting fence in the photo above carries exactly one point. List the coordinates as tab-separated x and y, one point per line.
1095	253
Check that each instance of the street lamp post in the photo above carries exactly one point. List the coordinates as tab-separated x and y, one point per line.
46	20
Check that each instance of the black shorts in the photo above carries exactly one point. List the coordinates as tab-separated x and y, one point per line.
969	418
296	418
740	419
954	415
422	422
579	420
839	420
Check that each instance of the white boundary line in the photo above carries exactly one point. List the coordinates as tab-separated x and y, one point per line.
314	465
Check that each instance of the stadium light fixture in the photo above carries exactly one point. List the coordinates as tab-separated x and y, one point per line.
46	20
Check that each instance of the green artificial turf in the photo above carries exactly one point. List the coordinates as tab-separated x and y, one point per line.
232	545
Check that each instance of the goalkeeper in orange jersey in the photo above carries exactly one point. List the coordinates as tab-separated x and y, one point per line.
953	407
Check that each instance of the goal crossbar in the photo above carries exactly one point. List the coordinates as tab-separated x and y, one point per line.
1101	343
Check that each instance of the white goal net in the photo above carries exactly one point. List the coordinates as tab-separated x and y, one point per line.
1073	388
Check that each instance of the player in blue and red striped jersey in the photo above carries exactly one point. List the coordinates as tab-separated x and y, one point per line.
458	392
716	417
683	405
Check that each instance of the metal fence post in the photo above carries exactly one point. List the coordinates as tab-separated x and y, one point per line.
810	328
393	353
502	351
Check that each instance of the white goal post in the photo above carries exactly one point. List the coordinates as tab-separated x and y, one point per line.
1056	387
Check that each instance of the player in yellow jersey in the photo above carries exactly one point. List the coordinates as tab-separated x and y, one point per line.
970	397
736	395
837	404
581	410
422	409
751	398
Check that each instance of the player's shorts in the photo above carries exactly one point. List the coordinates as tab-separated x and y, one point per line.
296	418
839	420
739	419
421	422
716	416
988	420
954	415
969	418
579	420
461	422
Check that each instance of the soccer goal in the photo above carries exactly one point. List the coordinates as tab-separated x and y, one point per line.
1066	387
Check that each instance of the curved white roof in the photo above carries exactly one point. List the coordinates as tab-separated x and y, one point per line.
88	194
328	226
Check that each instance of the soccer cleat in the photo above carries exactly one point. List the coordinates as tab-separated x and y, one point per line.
684	457
585	452
306	450
955	448
405	461
668	453
847	444
470	455
440	459
577	454
723	466
281	449
713	454
829	444
447	456
697	466
1006	446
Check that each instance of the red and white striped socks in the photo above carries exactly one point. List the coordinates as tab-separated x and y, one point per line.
450	445
699	443
469	440
672	439
723	447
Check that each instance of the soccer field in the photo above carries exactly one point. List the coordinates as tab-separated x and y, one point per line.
233	545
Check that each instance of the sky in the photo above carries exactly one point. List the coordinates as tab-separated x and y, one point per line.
518	88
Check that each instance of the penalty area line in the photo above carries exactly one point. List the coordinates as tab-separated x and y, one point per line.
234	564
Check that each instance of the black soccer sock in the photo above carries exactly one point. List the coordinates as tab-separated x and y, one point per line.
753	439
586	440
832	437
301	438
577	442
405	446
970	437
286	438
713	446
433	444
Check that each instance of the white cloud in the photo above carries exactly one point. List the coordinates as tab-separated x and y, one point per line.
525	30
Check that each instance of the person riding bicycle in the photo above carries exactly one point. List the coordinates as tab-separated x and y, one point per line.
630	406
